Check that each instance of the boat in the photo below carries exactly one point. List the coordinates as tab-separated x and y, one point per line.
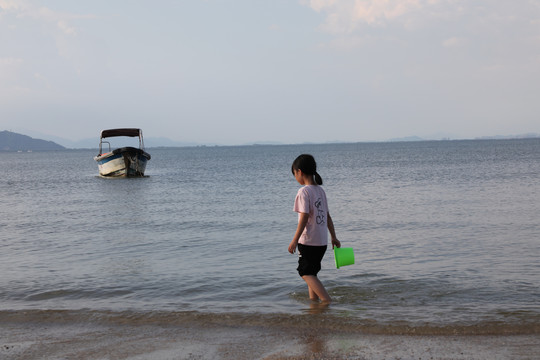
123	161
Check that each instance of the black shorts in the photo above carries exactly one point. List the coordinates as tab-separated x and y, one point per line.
310	257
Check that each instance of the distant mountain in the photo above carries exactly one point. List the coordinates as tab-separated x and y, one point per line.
408	138
10	141
148	143
93	143
504	137
165	142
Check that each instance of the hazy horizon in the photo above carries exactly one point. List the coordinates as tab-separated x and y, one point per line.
155	142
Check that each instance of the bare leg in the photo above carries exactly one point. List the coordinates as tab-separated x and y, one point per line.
316	289
313	295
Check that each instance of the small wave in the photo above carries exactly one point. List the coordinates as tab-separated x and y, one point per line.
74	294
318	320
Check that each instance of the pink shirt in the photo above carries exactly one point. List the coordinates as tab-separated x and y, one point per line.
311	199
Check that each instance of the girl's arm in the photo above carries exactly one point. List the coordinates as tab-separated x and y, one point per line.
302	221
335	241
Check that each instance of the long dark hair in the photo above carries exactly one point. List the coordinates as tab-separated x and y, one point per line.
306	163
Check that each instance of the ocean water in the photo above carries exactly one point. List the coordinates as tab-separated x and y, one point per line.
446	235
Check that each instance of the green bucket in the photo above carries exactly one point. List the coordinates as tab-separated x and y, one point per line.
343	256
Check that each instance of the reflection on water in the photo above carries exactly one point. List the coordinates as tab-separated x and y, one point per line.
305	323
316	307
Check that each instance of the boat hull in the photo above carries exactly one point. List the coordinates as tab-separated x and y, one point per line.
123	162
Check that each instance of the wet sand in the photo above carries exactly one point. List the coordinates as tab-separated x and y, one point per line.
89	340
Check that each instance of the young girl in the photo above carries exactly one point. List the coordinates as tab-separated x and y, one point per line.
314	222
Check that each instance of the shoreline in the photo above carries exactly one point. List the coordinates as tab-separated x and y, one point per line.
316	317
82	341
102	335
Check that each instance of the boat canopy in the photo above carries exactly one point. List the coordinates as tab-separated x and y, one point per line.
121	132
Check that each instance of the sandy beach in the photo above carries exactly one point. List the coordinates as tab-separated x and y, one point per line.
68	339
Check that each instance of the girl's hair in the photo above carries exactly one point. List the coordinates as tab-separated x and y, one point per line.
307	164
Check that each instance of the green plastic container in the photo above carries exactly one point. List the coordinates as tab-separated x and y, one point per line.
343	256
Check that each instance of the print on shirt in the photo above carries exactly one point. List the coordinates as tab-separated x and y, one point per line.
321	216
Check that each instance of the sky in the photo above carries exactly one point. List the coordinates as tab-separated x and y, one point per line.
291	71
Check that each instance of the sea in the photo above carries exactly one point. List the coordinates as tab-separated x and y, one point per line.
445	234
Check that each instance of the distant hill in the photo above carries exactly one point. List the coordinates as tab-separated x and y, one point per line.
408	138
505	137
148	143
10	141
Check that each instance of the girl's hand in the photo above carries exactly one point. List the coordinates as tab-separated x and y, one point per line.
292	246
336	243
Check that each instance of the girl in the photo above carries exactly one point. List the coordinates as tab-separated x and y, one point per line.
311	235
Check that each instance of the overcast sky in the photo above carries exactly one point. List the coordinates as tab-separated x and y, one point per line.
240	71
